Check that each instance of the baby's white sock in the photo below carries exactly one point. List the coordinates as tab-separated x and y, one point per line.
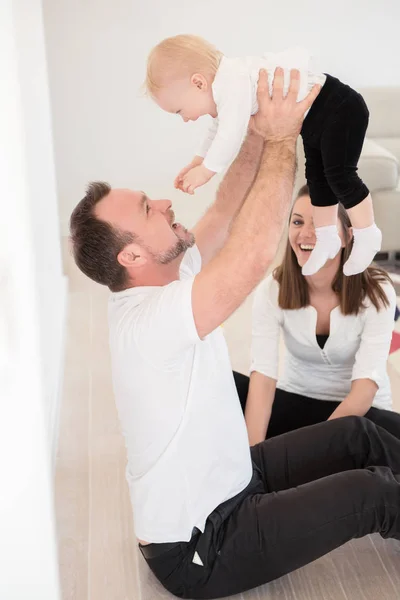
327	246
367	242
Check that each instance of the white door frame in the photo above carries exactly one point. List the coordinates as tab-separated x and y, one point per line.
28	550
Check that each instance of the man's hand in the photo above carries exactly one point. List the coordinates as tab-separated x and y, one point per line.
280	117
197	160
195	178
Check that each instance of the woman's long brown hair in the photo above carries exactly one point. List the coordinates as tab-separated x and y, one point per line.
351	291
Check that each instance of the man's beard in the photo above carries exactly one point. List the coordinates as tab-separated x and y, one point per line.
164	258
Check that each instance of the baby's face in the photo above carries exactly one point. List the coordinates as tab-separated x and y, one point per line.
190	99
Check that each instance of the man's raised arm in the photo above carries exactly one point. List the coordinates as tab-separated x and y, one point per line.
224	283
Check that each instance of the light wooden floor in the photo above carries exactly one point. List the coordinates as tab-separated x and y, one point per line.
97	553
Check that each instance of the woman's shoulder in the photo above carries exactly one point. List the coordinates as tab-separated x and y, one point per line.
389	290
390	293
268	289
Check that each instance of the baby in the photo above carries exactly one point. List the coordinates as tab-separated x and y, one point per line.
188	76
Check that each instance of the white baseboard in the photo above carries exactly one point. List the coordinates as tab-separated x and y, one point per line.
55	407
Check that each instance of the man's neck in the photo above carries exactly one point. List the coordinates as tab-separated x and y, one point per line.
159	275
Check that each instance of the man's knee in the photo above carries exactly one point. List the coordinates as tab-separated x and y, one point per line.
356	423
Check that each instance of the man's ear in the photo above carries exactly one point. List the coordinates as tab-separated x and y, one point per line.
199	81
131	256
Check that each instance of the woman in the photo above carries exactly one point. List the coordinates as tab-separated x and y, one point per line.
337	333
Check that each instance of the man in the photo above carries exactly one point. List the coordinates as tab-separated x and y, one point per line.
214	518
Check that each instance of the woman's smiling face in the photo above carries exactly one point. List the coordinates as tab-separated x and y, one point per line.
302	231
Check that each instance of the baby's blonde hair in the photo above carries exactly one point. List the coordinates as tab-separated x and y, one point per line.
179	57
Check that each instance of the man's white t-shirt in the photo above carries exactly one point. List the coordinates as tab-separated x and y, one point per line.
180	414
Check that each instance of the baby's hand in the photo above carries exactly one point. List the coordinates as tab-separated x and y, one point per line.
197	160
196	177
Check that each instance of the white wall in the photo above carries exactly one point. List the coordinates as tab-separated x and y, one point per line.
97	50
43	207
28	557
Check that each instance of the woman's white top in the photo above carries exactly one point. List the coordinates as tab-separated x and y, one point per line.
357	347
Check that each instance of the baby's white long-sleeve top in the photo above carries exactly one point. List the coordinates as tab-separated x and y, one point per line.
235	94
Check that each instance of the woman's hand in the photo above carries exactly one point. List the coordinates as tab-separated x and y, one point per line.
358	401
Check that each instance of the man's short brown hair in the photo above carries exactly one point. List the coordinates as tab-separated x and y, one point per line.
95	243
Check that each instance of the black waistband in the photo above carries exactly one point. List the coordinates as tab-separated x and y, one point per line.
219	514
328	101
